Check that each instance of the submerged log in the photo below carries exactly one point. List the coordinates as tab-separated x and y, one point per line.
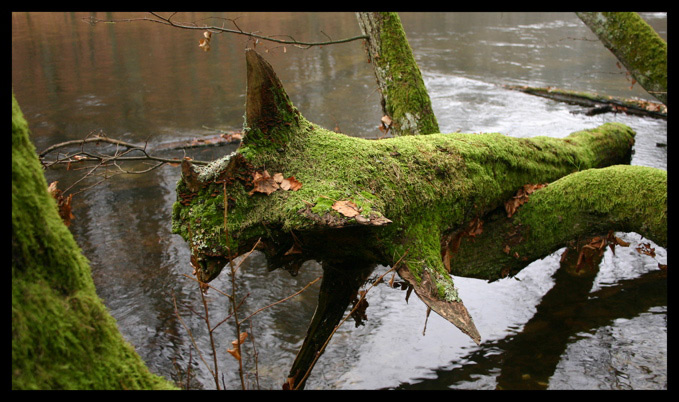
358	202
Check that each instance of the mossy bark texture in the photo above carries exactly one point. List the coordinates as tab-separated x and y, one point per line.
581	205
62	334
408	192
636	45
404	97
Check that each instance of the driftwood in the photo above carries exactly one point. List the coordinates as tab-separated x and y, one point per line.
596	103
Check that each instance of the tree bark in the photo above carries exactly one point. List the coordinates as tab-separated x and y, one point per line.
636	45
62	334
404	97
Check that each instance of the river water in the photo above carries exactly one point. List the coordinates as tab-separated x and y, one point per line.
142	82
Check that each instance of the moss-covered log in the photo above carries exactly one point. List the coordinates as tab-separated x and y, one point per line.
589	203
636	45
62	334
404	97
383	201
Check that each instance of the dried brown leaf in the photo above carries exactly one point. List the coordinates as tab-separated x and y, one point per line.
234	352
263	183
645	248
293	250
386	121
346	208
291	184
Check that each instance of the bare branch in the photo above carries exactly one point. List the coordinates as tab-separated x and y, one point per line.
216	29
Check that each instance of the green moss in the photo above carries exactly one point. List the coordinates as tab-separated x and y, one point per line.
631	198
425	185
636	45
62	335
406	98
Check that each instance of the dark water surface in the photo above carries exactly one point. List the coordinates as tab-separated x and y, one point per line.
140	81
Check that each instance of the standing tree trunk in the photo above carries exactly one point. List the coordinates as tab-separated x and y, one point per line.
638	47
404	97
62	334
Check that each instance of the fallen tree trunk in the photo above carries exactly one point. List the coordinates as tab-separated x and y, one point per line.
362	202
638	47
597	103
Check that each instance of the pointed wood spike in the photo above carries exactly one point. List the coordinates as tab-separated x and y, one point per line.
453	311
269	114
190	176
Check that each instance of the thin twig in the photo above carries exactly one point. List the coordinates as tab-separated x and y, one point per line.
212	340
282	300
193	341
215	29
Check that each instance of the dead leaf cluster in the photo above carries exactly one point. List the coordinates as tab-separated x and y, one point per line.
346	208
451	243
521	197
645	248
404	285
267	184
63	203
595	248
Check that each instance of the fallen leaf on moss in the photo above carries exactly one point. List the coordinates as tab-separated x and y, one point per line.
379	221
346	208
475	227
263	183
290	184
521	198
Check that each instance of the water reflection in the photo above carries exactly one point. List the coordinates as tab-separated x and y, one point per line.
143	82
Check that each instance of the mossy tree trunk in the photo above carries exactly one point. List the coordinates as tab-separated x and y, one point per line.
404	97
636	45
405	197
62	334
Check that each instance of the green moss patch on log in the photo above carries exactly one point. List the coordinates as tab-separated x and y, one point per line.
584	204
62	334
